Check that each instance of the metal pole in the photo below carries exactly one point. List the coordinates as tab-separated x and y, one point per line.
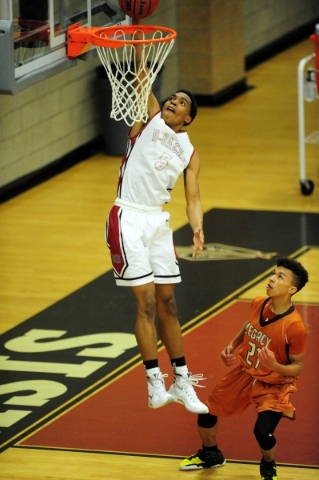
301	115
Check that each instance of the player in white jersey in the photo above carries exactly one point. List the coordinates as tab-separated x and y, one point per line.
141	240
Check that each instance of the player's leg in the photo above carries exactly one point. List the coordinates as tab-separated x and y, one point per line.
131	266
264	429
146	337
145	330
231	396
166	274
170	332
209	456
168	324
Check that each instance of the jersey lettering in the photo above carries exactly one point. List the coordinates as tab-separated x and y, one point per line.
250	355
168	142
257	335
259	339
163	161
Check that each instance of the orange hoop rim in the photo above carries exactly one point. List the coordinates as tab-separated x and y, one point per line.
102	37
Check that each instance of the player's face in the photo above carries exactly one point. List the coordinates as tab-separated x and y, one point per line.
280	282
176	109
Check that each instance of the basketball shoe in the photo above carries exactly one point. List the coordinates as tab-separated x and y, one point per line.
157	394
182	391
268	470
203	459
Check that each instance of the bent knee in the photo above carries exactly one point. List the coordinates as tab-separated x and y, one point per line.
146	301
265	438
167	305
206	420
147	307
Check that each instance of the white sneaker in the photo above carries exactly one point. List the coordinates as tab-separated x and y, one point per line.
157	394
183	392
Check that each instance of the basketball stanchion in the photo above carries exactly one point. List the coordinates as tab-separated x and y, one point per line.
131	80
308	90
315	39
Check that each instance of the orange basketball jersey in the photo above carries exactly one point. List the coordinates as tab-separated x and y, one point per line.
282	334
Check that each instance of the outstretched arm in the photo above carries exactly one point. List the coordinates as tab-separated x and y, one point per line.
152	105
194	208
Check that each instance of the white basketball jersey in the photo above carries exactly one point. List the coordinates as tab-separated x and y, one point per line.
154	160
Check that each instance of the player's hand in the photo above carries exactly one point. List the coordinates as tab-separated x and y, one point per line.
228	356
198	240
267	358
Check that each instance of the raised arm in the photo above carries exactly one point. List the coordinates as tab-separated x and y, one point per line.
152	105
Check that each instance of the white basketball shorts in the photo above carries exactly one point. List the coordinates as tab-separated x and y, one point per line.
141	246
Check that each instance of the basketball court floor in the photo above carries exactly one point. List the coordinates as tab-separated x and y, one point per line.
73	390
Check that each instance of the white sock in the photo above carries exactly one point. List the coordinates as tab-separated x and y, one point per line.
181	370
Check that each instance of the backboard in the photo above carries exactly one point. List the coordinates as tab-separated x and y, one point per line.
33	37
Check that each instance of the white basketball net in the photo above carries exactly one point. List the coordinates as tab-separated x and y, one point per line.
131	85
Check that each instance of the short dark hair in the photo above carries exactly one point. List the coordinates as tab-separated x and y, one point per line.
300	274
193	109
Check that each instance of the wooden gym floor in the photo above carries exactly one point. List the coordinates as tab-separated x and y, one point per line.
56	283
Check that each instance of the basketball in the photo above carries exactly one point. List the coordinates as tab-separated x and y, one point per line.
138	8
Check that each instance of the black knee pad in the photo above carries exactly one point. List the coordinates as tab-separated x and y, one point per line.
264	428
266	441
206	420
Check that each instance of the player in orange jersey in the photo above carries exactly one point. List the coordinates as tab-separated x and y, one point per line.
271	357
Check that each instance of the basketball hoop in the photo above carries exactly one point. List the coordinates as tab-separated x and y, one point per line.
116	46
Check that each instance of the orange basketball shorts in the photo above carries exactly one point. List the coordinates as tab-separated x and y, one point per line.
237	390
